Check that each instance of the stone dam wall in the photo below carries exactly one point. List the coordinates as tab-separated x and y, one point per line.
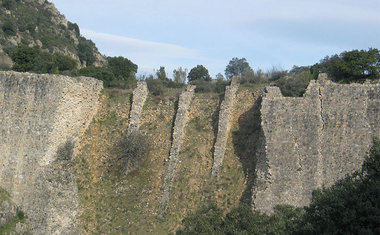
41	119
299	144
226	108
313	140
139	97
178	133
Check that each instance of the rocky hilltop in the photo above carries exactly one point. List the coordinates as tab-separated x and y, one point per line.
38	23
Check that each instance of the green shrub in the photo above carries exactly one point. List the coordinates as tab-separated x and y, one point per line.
203	86
24	58
123	69
243	220
9	28
31	27
32	59
155	86
210	86
351	66
294	85
8	4
75	27
352	205
64	62
208	220
100	73
86	51
172	84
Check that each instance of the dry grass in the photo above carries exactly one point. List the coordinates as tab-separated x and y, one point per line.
114	204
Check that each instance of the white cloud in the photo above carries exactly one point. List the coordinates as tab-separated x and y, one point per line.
211	32
148	55
117	45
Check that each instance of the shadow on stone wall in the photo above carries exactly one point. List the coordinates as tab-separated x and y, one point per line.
246	143
55	194
176	103
65	152
215	121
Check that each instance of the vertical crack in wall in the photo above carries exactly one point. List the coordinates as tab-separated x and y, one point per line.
139	97
226	109
178	133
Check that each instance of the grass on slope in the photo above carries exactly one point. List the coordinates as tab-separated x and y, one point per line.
112	203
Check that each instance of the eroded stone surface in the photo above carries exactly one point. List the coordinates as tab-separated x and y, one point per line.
226	108
178	133
313	140
42	117
139	97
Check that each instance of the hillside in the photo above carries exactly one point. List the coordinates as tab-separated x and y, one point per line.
37	23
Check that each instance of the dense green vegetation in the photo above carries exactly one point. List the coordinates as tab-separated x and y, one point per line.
41	25
101	73
242	220
119	72
350	206
237	67
351	66
294	82
199	73
86	51
33	59
179	75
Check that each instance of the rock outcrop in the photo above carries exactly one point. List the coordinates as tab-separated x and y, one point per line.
38	23
313	140
226	108
178	133
42	117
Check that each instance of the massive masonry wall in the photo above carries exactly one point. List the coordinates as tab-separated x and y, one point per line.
41	118
313	140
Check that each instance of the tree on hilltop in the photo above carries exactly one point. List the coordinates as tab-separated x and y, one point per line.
161	74
199	73
219	76
122	68
237	67
179	75
351	66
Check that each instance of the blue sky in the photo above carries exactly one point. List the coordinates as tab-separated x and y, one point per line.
173	33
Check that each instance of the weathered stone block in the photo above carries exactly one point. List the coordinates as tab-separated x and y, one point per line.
313	140
41	118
